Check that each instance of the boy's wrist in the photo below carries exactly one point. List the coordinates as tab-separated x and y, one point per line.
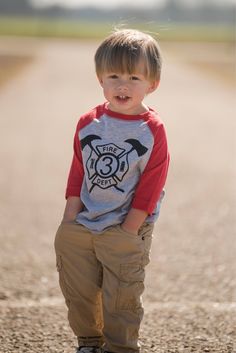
68	219
127	228
73	207
134	220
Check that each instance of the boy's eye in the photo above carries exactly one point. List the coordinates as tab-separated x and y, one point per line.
134	78
113	76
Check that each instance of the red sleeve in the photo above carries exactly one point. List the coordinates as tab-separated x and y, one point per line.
153	178
76	173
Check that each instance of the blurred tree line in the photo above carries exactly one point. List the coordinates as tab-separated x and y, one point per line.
172	11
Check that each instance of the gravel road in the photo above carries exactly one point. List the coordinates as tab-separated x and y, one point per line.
190	296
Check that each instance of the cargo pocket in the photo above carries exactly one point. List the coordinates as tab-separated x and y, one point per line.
62	282
131	287
145	233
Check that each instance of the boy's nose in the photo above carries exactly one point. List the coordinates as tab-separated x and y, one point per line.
122	85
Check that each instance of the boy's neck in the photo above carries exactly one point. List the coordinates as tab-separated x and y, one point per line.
139	110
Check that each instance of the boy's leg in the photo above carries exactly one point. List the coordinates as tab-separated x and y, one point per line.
80	277
124	257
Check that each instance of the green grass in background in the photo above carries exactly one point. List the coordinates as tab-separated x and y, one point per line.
36	27
52	28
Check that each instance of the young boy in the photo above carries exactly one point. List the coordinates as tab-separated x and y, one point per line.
114	190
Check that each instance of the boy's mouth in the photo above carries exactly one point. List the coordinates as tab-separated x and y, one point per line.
122	98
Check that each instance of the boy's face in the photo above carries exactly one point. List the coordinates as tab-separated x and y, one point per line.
125	92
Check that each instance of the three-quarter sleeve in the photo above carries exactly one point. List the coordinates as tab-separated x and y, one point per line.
76	174
154	176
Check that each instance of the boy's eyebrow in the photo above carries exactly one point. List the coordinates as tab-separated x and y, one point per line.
134	73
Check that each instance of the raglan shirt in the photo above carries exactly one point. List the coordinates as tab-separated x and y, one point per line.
120	161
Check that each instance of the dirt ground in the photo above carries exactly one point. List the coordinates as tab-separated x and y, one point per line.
190	298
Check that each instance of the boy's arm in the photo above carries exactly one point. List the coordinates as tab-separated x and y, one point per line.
134	220
73	206
76	174
150	185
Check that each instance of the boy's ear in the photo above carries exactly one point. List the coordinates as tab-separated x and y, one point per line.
153	86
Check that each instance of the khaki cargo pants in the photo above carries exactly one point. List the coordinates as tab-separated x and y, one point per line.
102	280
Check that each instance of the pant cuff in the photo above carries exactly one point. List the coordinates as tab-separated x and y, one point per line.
90	341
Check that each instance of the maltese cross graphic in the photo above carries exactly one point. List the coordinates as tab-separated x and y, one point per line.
107	164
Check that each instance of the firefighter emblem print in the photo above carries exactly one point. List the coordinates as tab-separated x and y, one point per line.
107	164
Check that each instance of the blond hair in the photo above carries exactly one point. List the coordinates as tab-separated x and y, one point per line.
123	50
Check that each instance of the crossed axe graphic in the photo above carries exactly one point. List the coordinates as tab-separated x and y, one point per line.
135	146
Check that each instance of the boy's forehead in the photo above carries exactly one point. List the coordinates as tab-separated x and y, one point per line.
139	68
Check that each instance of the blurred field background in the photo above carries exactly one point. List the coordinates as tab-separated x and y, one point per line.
176	21
47	80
